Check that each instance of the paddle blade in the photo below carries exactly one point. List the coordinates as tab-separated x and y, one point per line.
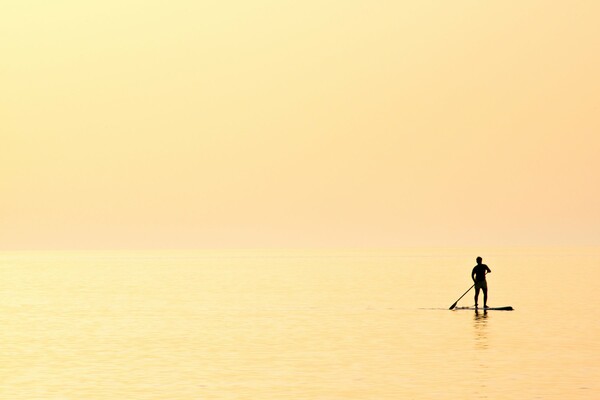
452	306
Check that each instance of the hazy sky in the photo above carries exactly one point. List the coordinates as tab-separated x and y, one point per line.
257	123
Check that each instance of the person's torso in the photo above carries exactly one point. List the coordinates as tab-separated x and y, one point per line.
480	271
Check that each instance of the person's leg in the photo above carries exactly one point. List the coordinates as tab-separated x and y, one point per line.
476	294
484	296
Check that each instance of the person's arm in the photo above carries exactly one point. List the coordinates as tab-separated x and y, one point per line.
473	274
489	271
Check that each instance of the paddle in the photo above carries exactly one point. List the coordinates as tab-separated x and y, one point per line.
454	305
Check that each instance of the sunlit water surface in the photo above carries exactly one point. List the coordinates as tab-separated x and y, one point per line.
298	325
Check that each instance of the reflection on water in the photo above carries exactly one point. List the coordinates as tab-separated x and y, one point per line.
480	321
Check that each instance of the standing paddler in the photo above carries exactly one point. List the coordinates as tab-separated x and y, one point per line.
478	276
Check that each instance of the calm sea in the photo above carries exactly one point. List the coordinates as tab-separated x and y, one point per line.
298	325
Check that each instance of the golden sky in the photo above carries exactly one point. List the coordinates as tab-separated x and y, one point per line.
274	123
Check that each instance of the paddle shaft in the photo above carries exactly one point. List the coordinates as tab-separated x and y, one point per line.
454	305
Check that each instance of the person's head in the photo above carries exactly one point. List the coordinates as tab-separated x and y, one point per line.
479	260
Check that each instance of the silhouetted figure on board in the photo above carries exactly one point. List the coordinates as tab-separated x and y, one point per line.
478	276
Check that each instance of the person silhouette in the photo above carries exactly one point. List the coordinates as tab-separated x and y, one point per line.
478	276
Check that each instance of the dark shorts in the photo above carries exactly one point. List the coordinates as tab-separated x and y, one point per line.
481	285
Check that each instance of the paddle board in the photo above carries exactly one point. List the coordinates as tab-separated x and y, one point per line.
506	308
